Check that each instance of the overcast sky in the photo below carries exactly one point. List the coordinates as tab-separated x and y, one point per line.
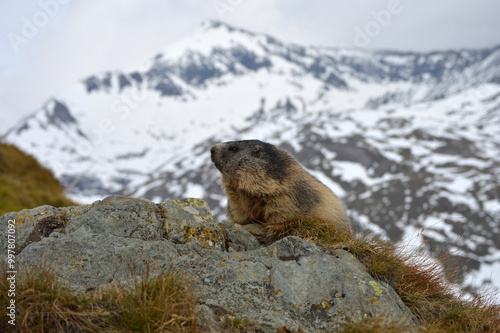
48	45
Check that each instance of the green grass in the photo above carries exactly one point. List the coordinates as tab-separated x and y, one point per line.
418	280
24	183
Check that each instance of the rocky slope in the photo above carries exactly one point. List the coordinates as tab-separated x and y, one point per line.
408	140
290	282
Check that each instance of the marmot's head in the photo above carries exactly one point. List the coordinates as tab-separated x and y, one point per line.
250	156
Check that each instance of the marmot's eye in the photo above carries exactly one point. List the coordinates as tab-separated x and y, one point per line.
233	149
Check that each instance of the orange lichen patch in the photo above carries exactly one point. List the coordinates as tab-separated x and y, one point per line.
374	300
324	304
205	236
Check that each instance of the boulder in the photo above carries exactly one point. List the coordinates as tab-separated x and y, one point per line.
288	282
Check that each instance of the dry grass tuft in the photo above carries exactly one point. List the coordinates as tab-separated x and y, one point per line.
285	329
43	304
237	324
163	303
418	280
379	324
160	304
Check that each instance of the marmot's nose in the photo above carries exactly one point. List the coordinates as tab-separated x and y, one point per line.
213	153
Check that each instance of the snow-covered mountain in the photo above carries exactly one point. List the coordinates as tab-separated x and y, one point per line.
410	141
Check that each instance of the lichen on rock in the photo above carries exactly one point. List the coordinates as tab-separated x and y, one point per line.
189	220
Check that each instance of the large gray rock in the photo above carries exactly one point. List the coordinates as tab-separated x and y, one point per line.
289	282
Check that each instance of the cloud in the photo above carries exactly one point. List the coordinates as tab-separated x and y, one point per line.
83	38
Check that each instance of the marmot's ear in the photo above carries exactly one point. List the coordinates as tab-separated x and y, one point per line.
256	151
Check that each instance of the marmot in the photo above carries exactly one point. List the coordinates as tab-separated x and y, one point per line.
265	184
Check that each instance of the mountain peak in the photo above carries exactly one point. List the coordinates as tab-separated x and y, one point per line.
212	24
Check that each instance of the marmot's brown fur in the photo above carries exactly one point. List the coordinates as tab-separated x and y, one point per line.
265	184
